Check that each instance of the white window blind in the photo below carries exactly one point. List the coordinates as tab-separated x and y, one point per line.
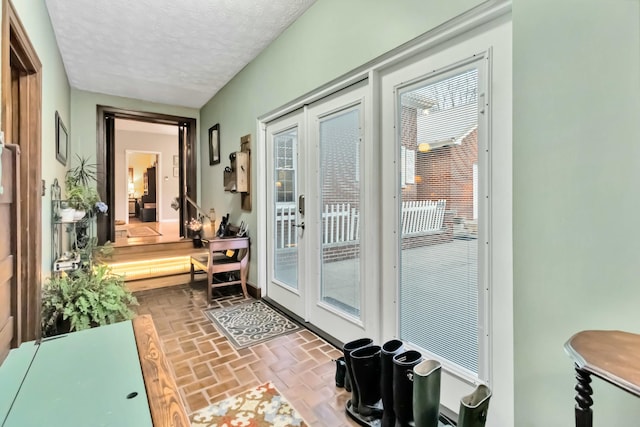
438	308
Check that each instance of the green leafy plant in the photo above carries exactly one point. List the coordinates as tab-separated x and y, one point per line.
80	186
85	174
82	198
83	299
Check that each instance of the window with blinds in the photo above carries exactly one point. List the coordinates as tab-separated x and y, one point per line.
439	283
284	165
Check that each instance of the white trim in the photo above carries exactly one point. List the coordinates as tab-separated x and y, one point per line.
261	201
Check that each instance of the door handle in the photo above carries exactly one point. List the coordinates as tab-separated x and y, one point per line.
301	225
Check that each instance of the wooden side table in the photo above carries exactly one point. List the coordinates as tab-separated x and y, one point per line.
613	356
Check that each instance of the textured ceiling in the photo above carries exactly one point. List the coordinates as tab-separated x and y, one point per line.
172	52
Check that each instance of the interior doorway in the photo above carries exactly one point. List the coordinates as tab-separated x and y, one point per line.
140	202
111	158
22	124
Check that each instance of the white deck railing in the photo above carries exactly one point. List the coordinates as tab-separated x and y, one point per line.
422	216
341	222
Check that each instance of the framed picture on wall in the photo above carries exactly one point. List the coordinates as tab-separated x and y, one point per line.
62	140
214	144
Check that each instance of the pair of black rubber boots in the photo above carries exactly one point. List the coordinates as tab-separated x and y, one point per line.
400	388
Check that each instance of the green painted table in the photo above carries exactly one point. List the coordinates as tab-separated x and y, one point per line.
86	378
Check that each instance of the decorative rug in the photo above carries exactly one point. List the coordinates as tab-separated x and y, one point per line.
262	406
250	323
142	231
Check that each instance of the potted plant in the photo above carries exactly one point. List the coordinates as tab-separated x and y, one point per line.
82	196
80	186
84	298
195	225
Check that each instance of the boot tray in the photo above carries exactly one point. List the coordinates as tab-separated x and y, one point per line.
368	422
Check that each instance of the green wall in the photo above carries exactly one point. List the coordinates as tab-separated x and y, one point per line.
576	163
55	97
84	107
330	39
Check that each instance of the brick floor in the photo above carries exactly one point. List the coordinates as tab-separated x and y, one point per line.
208	368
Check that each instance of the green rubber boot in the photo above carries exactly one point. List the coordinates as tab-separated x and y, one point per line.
474	407
426	393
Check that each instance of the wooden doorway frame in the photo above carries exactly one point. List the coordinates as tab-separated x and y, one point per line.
105	155
21	122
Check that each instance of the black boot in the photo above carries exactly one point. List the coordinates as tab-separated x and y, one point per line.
403	364
389	349
341	370
347	379
474	407
347	350
426	393
365	364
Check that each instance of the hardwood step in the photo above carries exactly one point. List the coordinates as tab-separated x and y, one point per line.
153	247
153	260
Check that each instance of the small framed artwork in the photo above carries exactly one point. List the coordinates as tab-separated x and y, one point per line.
214	144
62	140
176	172
176	161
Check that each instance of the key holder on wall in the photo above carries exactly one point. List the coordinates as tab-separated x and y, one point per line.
245	147
237	176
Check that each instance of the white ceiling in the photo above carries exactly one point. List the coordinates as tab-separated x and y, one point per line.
172	52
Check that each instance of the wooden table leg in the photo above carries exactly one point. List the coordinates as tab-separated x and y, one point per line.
584	414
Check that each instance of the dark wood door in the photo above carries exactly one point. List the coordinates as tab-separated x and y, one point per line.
8	249
21	122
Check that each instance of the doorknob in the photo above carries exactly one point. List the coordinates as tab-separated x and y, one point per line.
301	225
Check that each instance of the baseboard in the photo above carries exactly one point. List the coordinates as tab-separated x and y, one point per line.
254	291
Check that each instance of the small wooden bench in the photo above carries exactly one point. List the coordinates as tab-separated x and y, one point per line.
215	260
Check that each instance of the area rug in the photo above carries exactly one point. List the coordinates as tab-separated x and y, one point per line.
262	406
250	323
142	231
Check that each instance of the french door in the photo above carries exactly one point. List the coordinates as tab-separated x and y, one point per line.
318	215
286	268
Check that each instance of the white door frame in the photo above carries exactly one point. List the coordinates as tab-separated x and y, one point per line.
286	296
330	319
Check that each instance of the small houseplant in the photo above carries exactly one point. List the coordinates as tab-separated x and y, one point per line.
195	225
84	298
82	196
80	186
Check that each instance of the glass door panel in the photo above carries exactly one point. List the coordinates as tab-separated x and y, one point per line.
338	299
438	144
285	254
340	210
285	149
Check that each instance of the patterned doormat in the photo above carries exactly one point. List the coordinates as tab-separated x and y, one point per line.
250	323
262	406
142	231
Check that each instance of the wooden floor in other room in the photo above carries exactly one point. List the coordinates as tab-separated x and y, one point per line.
208	368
